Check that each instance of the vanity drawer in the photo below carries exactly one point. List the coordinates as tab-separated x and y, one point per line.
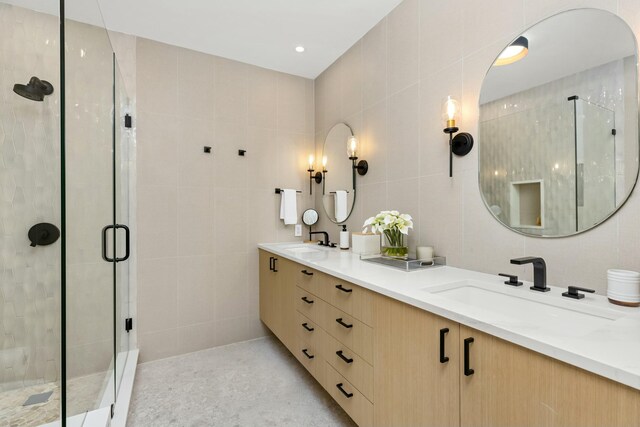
351	366
348	331
352	401
309	279
309	305
352	299
309	355
308	330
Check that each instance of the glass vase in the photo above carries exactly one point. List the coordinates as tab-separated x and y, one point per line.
394	246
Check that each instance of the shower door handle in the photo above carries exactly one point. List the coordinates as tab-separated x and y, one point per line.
104	243
127	242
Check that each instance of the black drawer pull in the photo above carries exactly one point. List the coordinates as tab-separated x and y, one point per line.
307	300
275	270
343	357
309	356
271	263
343	289
306	326
307	273
349	395
443	332
346	325
467	371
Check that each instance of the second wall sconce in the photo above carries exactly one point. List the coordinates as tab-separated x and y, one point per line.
318	175
352	151
462	143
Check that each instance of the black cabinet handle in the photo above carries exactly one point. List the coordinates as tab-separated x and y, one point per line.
104	243
307	273
346	325
306	326
343	357
270	263
307	300
275	269
467	371
309	356
349	395
343	289
127	242
443	332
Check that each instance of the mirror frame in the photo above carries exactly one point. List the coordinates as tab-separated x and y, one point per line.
637	98
353	172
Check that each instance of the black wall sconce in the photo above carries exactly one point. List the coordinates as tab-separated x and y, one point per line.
462	143
352	150
317	177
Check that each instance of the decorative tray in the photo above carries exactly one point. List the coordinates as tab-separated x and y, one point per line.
406	264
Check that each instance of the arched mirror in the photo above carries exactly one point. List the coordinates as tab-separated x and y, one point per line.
339	183
558	133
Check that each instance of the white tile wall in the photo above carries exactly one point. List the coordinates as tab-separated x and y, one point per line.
200	216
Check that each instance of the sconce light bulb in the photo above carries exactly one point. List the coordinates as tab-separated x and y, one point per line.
352	146
311	160
451	110
324	162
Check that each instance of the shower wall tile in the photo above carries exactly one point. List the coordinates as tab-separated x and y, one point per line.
453	217
200	216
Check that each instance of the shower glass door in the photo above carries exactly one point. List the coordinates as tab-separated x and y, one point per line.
89	209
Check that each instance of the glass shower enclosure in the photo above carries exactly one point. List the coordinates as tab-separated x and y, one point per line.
64	215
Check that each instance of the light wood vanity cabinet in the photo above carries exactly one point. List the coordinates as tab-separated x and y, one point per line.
514	386
277	293
391	364
413	386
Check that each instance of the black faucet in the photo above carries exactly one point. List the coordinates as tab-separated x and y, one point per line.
539	272
324	233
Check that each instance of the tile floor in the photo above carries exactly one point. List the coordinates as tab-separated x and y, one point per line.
253	383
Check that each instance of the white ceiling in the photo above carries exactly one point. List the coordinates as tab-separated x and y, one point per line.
561	46
259	32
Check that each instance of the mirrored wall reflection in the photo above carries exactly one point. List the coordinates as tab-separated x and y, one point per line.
558	135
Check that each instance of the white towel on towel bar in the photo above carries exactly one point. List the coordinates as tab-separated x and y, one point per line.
341	205
288	207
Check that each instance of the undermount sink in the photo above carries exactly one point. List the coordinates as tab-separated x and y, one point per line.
544	311
302	250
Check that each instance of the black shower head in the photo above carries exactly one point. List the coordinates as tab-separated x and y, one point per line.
35	90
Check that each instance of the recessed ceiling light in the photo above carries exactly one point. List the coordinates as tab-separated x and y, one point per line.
299	49
514	52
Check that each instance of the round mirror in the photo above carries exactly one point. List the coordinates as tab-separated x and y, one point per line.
310	217
338	185
558	129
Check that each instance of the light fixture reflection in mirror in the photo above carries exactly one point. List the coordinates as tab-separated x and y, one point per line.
514	52
462	143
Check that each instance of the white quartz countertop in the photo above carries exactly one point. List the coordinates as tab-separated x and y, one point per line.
607	343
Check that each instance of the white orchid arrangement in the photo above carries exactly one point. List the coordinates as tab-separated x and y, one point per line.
393	225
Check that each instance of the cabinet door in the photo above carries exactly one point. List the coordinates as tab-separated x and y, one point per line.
285	304
268	290
412	387
510	386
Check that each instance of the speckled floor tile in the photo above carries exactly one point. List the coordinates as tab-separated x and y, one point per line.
254	383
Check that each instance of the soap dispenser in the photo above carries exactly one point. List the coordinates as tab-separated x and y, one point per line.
344	238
